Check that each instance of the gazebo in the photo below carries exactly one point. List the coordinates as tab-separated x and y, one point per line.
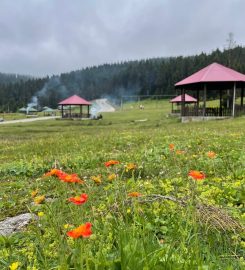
177	101
68	104
48	111
214	80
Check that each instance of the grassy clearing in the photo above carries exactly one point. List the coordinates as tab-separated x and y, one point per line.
146	232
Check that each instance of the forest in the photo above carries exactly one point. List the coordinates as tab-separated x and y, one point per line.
155	76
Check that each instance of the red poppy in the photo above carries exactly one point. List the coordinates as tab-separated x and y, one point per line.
83	230
111	162
79	199
70	178
197	175
53	172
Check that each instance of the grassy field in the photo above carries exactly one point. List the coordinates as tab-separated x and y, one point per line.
17	116
146	212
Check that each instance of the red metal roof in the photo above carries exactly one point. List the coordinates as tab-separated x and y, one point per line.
188	98
74	100
213	73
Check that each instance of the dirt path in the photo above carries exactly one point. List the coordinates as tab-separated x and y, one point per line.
28	120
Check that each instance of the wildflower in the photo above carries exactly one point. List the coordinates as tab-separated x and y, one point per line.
40	214
171	147
161	241
130	166
39	199
53	172
97	179
111	162
128	211
34	193
112	177
83	230
14	266
134	194
70	178
211	154
78	200
197	175
180	152
66	226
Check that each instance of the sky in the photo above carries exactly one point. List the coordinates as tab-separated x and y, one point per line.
49	37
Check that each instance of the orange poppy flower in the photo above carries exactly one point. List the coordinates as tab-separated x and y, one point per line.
70	178
53	172
64	177
111	162
134	194
78	200
197	175
171	146
83	230
211	154
130	166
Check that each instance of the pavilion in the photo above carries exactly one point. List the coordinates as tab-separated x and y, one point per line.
213	81
177	101
67	107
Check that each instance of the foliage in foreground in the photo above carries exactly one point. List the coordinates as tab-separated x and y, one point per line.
146	212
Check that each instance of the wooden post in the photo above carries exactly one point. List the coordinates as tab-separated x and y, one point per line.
242	94
197	102
88	111
70	111
220	102
234	100
204	99
182	102
62	111
121	103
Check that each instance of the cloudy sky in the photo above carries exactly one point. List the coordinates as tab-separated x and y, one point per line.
45	37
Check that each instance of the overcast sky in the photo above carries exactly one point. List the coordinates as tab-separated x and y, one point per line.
45	37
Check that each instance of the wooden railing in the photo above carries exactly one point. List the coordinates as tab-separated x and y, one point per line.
76	115
239	110
194	111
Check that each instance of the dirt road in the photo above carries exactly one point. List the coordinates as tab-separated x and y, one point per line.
28	120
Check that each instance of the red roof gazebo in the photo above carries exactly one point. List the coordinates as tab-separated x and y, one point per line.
67	104
229	83
177	101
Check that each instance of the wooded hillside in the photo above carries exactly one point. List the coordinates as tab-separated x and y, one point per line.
145	77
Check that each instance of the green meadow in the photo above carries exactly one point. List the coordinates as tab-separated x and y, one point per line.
146	212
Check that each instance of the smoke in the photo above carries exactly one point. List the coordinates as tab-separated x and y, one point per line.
50	94
101	105
33	102
53	83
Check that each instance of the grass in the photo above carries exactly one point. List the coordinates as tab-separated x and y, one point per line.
17	116
146	232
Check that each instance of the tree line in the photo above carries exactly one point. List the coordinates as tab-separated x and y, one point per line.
155	76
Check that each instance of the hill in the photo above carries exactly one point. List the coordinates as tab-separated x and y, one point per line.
143	77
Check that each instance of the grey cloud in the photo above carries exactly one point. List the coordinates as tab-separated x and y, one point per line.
41	37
